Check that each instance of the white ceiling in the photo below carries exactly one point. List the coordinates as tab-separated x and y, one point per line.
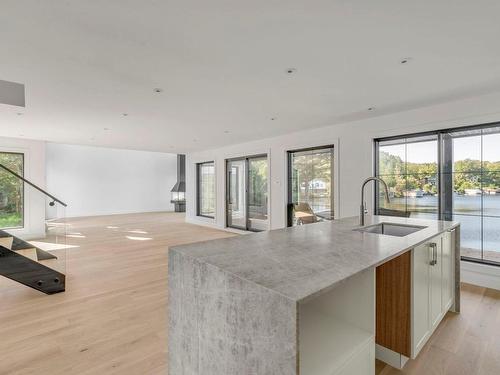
222	66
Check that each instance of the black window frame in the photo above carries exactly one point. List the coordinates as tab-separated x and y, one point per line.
444	166
199	190
289	153
246	159
409	137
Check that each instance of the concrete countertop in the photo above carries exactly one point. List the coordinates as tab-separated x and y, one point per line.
304	261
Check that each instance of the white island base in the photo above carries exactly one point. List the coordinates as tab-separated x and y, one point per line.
337	329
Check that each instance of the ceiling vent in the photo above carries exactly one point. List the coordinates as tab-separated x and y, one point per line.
12	93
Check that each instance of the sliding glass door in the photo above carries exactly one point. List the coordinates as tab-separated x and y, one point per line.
310	185
236	197
247	193
490	186
474	172
451	175
257	193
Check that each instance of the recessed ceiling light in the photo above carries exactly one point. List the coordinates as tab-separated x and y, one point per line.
291	70
158	90
371	108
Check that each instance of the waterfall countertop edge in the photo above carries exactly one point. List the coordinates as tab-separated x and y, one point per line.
302	262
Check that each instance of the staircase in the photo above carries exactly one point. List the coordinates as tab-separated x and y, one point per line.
22	262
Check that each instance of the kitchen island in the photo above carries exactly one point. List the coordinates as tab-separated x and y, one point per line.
302	300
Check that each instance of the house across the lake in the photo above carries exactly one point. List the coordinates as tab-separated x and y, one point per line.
491	191
473	192
318	186
416	193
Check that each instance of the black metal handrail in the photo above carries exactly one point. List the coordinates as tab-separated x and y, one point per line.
54	199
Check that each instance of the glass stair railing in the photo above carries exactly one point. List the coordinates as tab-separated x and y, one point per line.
33	249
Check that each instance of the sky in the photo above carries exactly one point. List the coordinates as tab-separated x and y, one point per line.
463	148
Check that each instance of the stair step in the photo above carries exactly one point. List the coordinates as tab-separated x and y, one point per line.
21	262
14	243
6	242
44	255
30	273
4	234
28	253
19	244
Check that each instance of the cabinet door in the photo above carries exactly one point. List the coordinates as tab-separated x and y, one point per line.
447	270
420	298
435	248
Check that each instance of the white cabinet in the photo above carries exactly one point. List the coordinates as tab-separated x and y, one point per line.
420	297
435	281
430	289
432	277
447	263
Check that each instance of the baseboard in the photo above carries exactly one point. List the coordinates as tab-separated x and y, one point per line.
396	360
26	235
480	274
204	222
33	236
159	210
210	223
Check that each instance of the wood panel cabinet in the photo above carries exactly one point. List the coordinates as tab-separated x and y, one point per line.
393	296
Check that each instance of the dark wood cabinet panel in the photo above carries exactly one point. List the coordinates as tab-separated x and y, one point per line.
393	322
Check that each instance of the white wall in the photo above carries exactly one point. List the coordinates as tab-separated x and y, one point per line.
101	181
353	143
34	170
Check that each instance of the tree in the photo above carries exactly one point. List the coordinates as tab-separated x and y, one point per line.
11	190
310	166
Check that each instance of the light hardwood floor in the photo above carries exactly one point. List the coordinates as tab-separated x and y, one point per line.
464	344
113	317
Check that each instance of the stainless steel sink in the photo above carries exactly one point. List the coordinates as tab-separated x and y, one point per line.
391	229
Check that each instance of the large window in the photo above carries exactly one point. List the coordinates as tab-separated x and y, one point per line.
409	166
206	189
451	175
310	185
11	191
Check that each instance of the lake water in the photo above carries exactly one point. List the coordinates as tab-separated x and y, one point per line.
467	210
